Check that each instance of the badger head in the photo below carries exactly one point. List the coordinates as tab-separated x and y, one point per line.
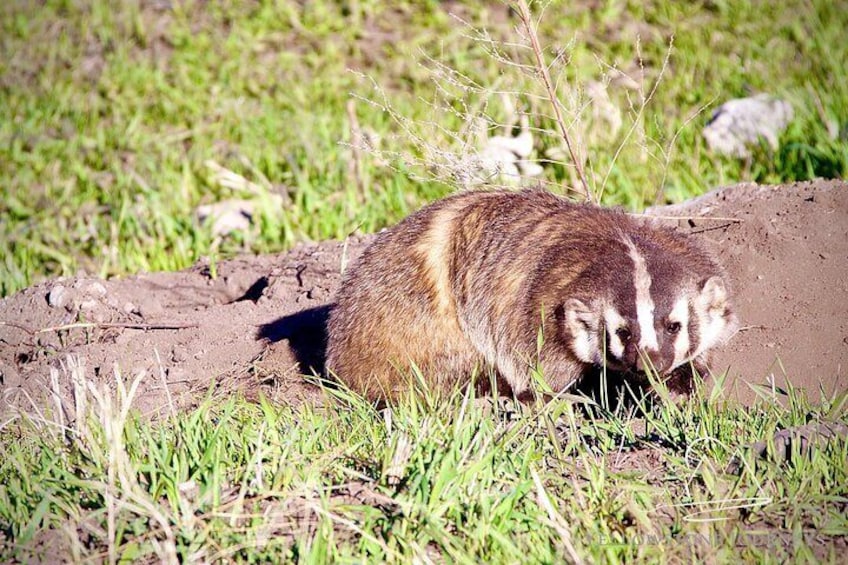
653	310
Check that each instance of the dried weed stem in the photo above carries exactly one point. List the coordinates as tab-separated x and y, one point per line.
526	19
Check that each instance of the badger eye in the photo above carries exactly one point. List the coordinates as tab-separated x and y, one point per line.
673	327
623	334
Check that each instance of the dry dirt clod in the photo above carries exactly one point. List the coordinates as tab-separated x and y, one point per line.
149	308
95	289
791	440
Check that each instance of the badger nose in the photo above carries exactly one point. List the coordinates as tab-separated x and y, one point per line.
649	360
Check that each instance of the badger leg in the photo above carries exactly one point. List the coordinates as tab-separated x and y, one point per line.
558	369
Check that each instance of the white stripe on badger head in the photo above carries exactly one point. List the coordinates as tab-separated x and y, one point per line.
613	321
644	302
680	314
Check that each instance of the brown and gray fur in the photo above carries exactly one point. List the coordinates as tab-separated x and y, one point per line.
464	285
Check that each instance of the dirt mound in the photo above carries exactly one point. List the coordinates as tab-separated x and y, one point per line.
259	322
786	251
188	332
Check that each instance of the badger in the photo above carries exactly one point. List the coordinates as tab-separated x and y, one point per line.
517	284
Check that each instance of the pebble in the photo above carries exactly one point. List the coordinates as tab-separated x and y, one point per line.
178	355
150	308
59	296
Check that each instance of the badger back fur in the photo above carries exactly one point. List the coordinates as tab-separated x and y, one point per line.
467	284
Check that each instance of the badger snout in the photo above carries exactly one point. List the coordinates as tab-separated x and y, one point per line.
650	360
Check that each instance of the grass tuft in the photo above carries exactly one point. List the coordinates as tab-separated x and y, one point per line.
464	480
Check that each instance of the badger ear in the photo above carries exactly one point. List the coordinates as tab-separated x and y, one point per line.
579	317
714	293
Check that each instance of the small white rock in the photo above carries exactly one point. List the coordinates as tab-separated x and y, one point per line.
58	297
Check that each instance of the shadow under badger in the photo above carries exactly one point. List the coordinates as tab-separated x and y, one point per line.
464	285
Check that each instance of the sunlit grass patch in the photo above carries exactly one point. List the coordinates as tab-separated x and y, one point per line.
464	480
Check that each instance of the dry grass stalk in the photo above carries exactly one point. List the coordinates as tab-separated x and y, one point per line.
526	19
355	169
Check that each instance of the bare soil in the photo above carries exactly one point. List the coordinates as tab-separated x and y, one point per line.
259	323
786	251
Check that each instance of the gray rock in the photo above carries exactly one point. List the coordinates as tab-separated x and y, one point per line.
59	296
738	124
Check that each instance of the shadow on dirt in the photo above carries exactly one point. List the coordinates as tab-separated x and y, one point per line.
306	332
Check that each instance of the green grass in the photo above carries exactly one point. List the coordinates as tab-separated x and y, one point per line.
109	110
456	481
